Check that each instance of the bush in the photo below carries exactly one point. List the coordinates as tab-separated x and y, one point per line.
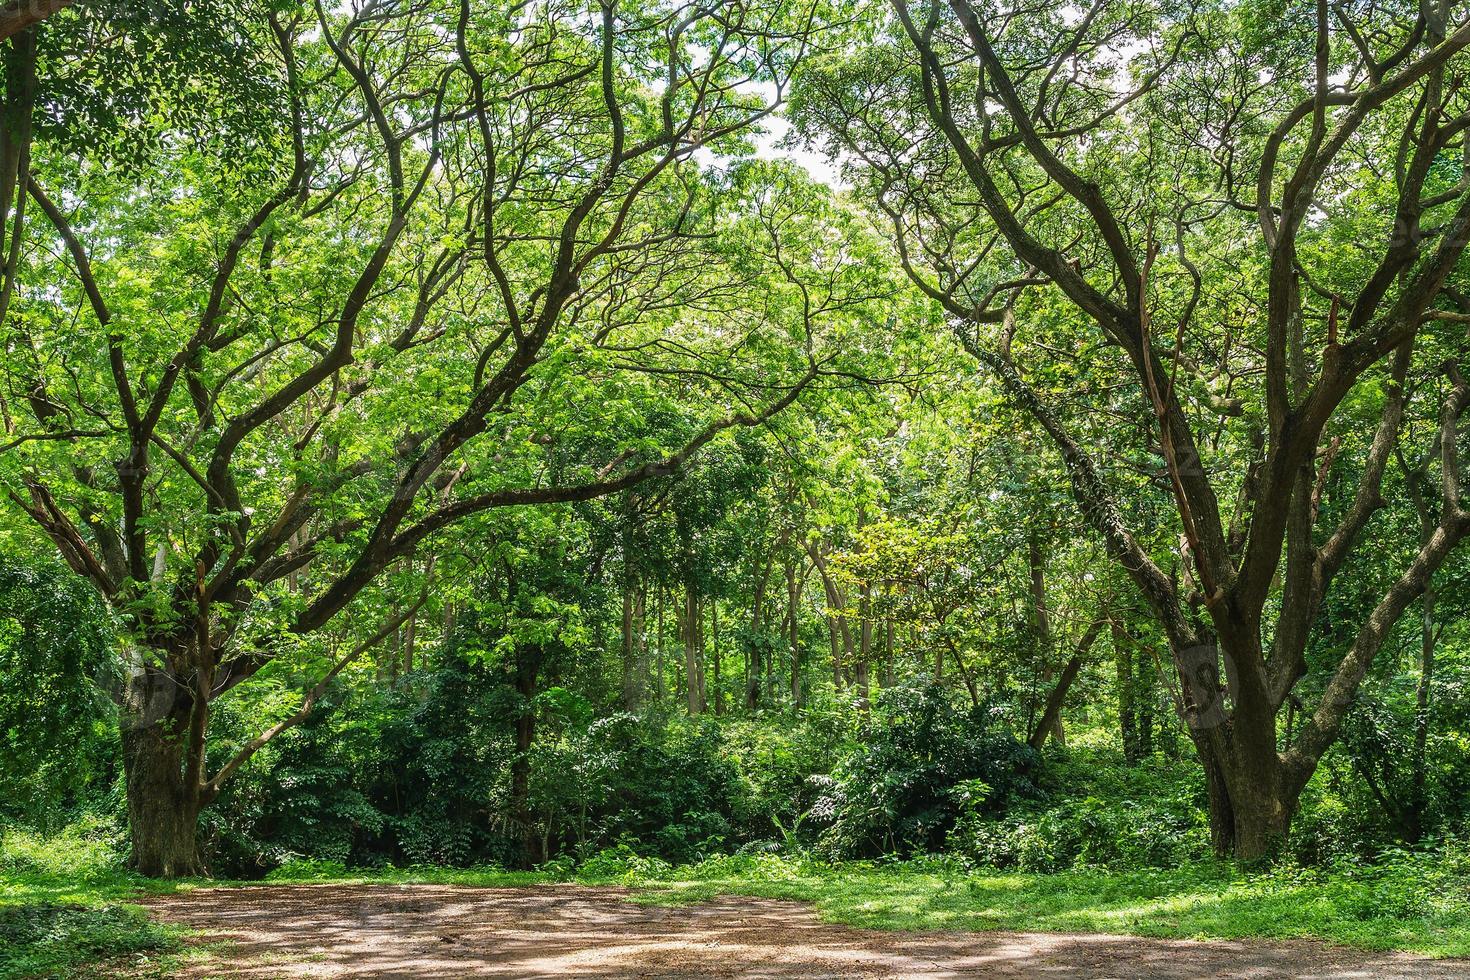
1097	813
622	863
665	788
85	852
922	763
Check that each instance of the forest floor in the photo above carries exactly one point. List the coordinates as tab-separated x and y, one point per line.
447	931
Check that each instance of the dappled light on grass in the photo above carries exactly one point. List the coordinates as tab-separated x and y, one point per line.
1198	901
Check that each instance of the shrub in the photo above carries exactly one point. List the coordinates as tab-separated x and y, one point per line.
923	762
1097	813
87	851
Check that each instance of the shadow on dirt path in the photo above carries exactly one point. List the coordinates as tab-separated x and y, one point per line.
436	932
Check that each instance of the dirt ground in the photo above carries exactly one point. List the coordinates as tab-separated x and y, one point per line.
433	932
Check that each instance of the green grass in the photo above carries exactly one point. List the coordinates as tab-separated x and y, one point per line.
1371	911
63	909
1416	903
63	901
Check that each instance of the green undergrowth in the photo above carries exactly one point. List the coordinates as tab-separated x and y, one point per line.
64	914
64	909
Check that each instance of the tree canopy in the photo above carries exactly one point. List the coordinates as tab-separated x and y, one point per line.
491	378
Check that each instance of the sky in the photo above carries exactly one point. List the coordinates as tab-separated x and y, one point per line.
816	164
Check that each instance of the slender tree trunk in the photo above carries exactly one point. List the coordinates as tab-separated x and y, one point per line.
645	664
16	116
1051	715
839	629
410	637
689	628
1423	692
1145	692
835	642
888	652
393	648
700	650
1127	693
770	659
959	662
630	653
1413	811
1050	722
714	642
698	654
753	677
793	612
528	669
1041	610
658	688
865	646
753	648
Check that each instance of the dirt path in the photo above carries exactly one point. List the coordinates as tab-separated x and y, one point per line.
440	932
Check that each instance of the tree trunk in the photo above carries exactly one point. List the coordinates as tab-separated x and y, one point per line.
163	814
888	652
630	671
645	662
1413	821
528	668
959	662
1251	805
865	646
700	641
1260	811
689	634
1127	693
448	629
15	149
410	637
658	685
753	647
793	596
1041	610
835	643
838	628
1051	717
1146	700
1221	812
714	643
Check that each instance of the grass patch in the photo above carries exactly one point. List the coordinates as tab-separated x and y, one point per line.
1419	905
45	939
63	901
63	910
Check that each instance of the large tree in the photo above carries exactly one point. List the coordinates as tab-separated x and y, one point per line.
474	244
1240	229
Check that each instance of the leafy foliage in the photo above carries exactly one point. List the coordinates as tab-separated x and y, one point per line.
56	658
922	763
